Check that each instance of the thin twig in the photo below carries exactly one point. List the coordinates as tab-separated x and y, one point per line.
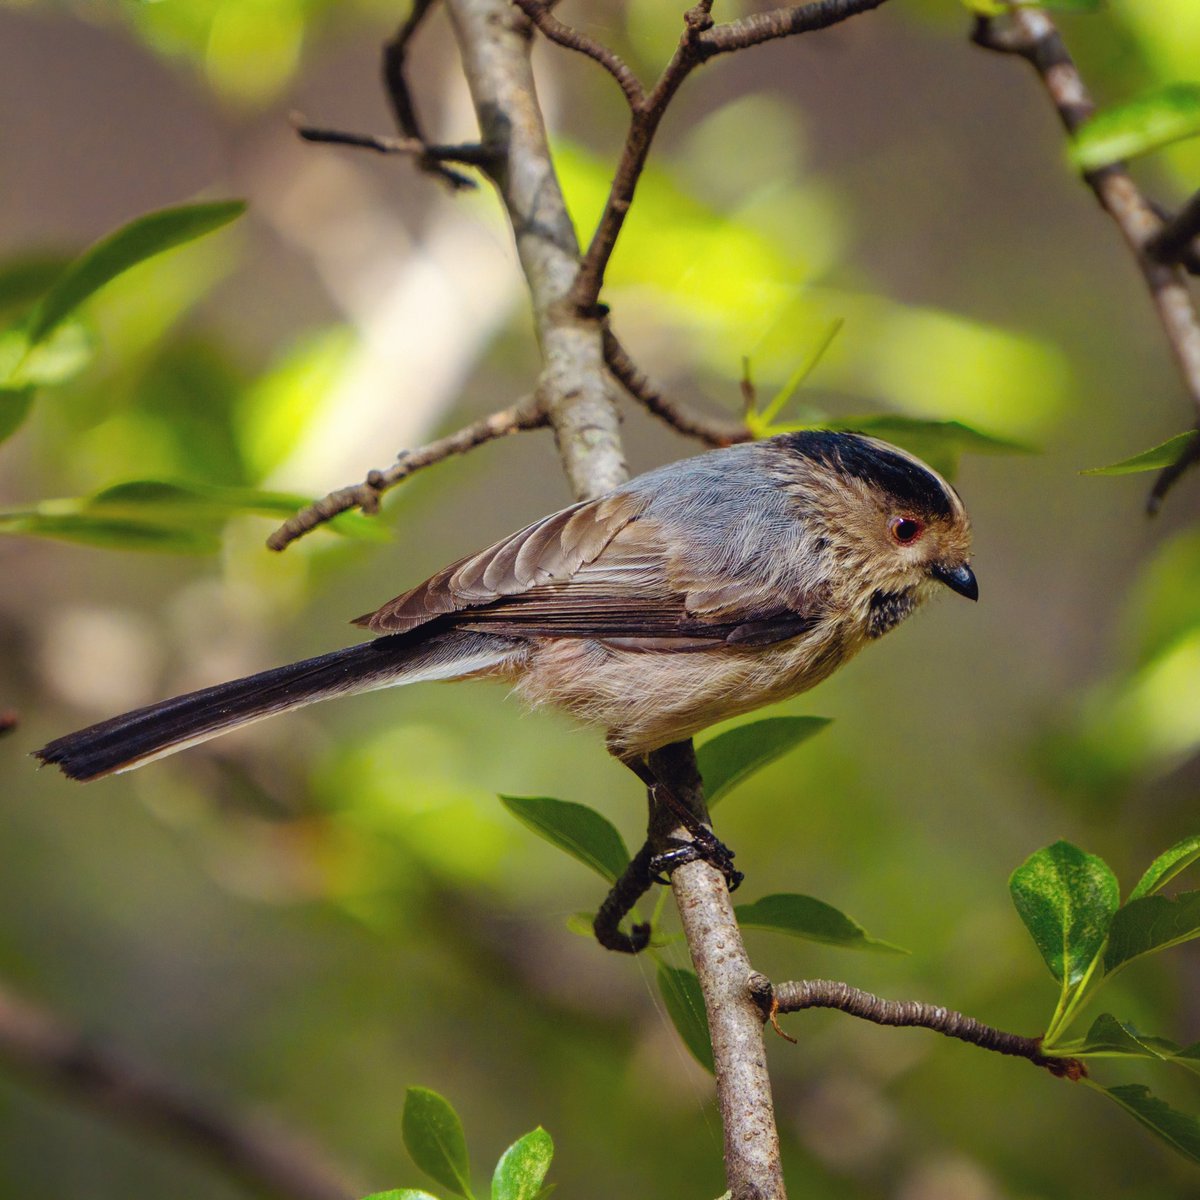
634	883
525	414
395	54
267	1158
538	11
1033	36
1176	241
752	1161
700	41
470	153
828	993
713	431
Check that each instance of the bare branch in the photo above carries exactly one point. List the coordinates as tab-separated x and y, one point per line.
471	153
828	993
779	23
395	55
525	414
1176	241
574	388
713	431
538	11
752	1162
1033	36
267	1158
700	41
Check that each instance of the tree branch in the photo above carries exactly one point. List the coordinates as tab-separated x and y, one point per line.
828	993
470	153
1032	35
525	414
752	1162
266	1158
779	23
713	431
1176	241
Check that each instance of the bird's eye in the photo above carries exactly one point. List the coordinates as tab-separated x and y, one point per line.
905	530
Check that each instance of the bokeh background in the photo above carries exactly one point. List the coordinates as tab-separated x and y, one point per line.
310	916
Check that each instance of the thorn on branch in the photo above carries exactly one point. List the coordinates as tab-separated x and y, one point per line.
828	993
527	413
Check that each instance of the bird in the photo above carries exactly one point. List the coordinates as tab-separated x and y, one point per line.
698	591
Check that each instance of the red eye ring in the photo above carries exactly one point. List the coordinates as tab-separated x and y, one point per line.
905	530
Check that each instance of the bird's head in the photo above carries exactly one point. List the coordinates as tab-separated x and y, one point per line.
894	530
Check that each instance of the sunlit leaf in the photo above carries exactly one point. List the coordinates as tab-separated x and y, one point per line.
1167	865
733	756
433	1135
401	1194
15	405
684	1002
132	244
1149	924
810	918
997	8
581	831
1066	899
1138	126
1180	1131
1165	454
58	357
523	1166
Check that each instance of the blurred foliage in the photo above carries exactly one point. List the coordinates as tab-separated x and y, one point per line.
332	903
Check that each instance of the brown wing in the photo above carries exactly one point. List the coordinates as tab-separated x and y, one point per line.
600	569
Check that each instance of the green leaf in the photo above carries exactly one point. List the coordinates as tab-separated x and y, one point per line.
1138	126
113	533
997	8
433	1135
15	405
1110	1038
1166	454
1149	924
732	756
684	1003
1167	865
807	917
1179	1130
115	254
401	1194
58	357
23	280
1066	899
581	831
523	1166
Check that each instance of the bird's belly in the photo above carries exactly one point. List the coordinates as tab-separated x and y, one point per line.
646	699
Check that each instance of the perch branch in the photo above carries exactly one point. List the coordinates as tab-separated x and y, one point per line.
713	431
752	1162
525	414
1032	35
266	1158
828	993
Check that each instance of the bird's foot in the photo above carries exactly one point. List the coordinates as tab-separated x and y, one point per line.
705	847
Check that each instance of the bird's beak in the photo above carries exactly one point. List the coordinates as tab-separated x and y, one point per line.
960	579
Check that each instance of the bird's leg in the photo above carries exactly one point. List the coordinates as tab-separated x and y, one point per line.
704	845
625	893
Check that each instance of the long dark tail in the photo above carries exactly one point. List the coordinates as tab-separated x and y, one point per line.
145	734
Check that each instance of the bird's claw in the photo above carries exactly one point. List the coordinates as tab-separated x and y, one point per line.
709	849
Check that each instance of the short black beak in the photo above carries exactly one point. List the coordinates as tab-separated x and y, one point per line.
960	579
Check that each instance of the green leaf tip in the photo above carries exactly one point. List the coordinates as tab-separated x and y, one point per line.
733	756
1167	865
581	831
1181	1131
433	1136
1165	454
812	919
1138	126
1149	924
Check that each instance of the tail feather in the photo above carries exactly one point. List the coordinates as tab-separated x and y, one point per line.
139	737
